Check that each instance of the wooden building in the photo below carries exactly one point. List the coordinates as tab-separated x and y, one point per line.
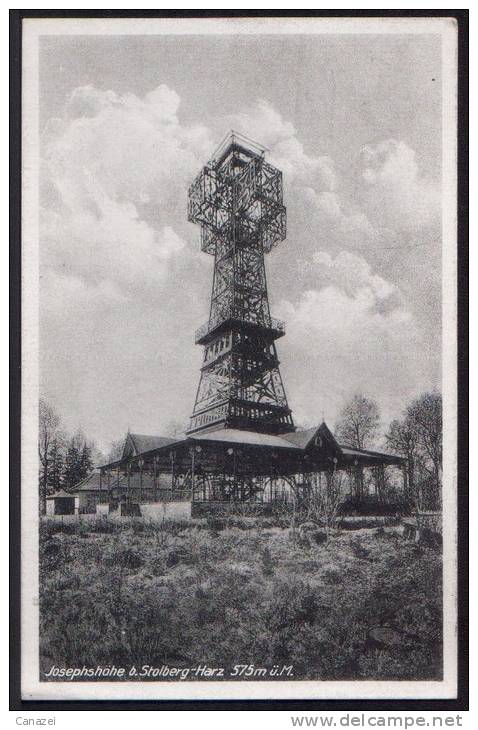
62	503
226	465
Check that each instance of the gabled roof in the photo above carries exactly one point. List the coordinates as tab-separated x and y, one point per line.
248	438
142	443
61	494
304	438
301	438
318	437
90	482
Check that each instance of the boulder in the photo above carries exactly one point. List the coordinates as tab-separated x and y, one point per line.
384	637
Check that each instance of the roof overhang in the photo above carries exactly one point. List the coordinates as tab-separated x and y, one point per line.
245	438
365	457
318	440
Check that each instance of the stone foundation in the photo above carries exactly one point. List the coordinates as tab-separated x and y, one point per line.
223	509
150	512
158	511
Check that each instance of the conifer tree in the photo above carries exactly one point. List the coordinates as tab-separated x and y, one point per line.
86	461
71	471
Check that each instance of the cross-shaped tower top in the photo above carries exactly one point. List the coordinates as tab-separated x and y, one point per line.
237	200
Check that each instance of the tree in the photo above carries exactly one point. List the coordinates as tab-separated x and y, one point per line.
357	427
71	472
78	459
63	461
48	426
56	464
381	482
86	460
418	437
425	413
402	439
358	422
324	497
115	452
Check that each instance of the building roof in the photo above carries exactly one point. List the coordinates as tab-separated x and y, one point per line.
143	443
366	453
137	444
249	438
90	482
300	438
61	494
304	437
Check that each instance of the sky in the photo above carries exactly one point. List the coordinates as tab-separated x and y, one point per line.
127	122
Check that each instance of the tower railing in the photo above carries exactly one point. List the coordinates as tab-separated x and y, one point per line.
277	325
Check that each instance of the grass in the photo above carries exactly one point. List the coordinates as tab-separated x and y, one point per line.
184	594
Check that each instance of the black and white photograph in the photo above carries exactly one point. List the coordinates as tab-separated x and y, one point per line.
239	461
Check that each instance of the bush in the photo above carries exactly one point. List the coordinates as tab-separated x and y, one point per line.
358	550
105	527
53	554
359	523
146	597
54	527
268	565
215	524
176	556
126	557
332	576
371	506
138	527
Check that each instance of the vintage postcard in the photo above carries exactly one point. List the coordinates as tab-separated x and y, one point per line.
239	358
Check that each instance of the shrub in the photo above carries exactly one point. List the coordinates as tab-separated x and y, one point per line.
126	557
268	566
105	527
54	553
146	597
138	527
55	527
215	524
51	554
332	576
358	550
371	506
176	556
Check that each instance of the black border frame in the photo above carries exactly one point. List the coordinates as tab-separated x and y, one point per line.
461	703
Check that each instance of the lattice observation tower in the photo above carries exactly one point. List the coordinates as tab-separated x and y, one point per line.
237	201
241	445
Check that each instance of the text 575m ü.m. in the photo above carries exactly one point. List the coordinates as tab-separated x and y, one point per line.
251	671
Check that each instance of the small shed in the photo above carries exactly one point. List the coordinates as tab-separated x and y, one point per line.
61	503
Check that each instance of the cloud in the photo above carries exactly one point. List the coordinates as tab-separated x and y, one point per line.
114	246
328	208
340	343
353	331
111	245
318	207
265	124
112	173
353	274
394	191
123	285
